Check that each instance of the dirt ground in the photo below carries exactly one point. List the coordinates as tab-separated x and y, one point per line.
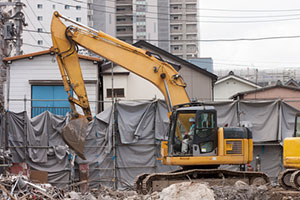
201	191
19	187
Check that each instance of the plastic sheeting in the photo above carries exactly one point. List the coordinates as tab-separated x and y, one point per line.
139	127
29	141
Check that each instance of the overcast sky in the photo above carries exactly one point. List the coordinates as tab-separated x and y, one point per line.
260	54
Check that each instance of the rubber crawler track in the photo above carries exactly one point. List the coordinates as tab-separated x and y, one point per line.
281	177
143	184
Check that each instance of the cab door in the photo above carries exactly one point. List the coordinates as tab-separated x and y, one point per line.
297	125
205	140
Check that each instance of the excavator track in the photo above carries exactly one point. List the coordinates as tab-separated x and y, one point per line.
285	177
147	183
295	180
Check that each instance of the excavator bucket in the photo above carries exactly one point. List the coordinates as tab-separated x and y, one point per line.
74	134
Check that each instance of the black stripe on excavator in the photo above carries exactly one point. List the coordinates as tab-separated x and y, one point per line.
237	133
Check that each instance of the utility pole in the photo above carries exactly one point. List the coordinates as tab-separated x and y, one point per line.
19	27
9	32
13	31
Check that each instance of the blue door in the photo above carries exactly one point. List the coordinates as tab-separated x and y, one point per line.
53	96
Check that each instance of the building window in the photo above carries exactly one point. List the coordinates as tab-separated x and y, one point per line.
40	42
78	19
78	7
67	7
51	99
40	30
53	6
39	6
40	18
118	92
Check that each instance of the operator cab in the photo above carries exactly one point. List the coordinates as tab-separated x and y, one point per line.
193	131
297	125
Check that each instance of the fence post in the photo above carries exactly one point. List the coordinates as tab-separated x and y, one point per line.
238	113
25	100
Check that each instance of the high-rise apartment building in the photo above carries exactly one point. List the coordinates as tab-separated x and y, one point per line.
183	28
167	24
134	20
38	13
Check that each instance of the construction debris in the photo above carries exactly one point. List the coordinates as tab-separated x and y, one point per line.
187	190
19	187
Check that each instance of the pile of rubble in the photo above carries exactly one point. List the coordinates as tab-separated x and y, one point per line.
19	187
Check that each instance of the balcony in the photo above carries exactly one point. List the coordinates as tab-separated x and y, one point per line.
124	21
176	1
176	21
127	39
176	31
126	33
176	11
191	10
190	1
124	10
124	2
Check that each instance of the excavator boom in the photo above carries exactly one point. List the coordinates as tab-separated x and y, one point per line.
141	62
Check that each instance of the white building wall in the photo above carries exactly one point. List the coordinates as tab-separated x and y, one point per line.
43	68
227	88
32	12
135	87
104	17
152	22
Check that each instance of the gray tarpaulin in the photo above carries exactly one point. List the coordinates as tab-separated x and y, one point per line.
39	132
287	121
271	159
226	113
139	127
264	117
268	120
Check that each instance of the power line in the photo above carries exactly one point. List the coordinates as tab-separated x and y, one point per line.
38	21
235	39
244	10
33	27
33	45
200	21
261	21
243	17
35	31
211	40
213	9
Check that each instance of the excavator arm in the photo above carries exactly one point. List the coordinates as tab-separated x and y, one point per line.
141	62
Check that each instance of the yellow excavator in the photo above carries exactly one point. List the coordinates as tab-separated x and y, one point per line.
195	142
290	177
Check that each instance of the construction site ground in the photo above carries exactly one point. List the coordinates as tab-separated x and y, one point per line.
19	187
